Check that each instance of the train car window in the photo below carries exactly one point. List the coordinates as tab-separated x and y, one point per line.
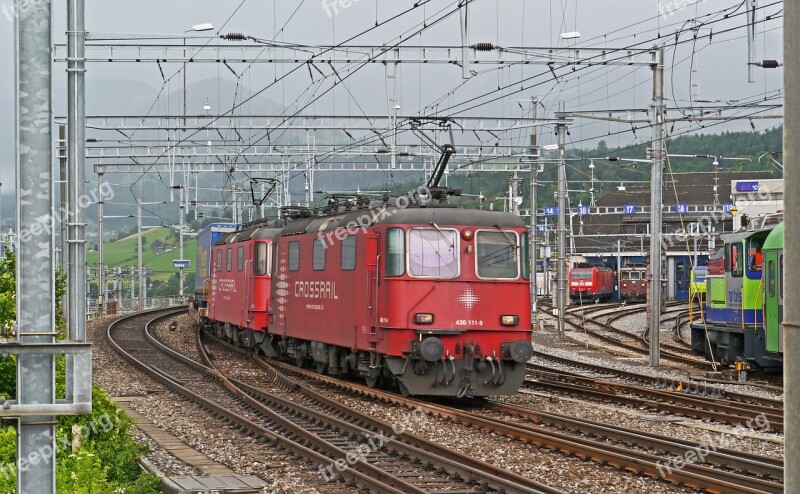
219	260
240	258
319	254
737	260
497	255
433	252
626	275
294	256
395	252
228	259
635	275
349	253
526	257
261	258
771	277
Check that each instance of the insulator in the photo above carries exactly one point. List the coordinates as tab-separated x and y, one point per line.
483	46
234	36
769	64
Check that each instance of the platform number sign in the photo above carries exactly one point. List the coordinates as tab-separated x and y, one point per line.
630	208
727	207
541	228
551	211
681	208
583	210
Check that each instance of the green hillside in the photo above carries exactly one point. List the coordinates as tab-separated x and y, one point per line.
124	253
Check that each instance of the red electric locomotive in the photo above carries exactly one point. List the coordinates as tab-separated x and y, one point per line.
590	283
433	299
633	283
411	291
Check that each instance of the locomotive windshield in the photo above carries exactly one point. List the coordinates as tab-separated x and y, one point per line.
497	255
432	253
582	275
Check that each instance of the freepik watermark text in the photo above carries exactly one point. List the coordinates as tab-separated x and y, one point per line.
19	8
332	7
422	195
374	443
46	223
668	9
103	423
698	454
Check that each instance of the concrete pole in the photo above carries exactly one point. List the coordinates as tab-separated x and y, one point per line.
791	323
34	266
561	128
101	287
656	185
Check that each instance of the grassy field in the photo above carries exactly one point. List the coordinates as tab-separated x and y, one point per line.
124	253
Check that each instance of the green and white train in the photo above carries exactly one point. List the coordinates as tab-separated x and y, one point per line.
743	309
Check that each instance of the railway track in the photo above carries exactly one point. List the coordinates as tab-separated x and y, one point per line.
700	407
585	439
332	440
673	385
638	345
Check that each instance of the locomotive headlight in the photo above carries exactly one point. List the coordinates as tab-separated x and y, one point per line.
467	234
422	318
509	320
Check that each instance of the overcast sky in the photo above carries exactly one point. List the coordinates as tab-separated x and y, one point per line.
133	89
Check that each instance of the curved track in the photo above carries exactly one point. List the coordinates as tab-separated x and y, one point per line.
582	439
314	429
688	405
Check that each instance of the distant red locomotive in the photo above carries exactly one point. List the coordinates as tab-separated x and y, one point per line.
434	299
591	282
633	283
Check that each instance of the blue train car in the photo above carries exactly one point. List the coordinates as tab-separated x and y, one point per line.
205	239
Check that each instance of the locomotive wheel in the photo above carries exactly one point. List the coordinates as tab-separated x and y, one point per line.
300	362
321	367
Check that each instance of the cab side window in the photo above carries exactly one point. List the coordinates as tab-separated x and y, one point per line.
736	260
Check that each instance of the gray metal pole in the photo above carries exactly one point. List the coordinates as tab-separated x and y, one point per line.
76	178
180	242
101	287
562	215
35	283
139	247
63	213
791	323
656	185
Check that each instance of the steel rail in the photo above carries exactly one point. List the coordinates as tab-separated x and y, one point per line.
691	475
